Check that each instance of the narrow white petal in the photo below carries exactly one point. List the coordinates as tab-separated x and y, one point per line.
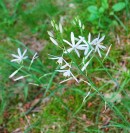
99	52
24	58
69	50
80	25
79	42
76	39
86	51
88	54
54	41
50	34
15	60
77	52
14	73
80	47
98	35
53	55
101	39
67	42
89	37
72	38
19	52
56	26
55	58
108	51
85	66
24	52
101	47
16	56
64	66
61	70
60	28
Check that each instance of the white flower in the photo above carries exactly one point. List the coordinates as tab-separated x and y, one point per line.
20	57
98	45
74	46
87	45
59	59
34	57
54	41
67	73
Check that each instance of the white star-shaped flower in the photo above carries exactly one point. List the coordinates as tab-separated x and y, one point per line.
59	59
98	45
68	73
20	57
87	45
74	46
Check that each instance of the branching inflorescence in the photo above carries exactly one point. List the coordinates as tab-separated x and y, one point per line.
75	54
80	48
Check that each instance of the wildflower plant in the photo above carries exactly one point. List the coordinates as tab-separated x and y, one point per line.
74	56
77	52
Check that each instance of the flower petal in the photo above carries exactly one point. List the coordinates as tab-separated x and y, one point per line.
19	52
85	66
67	42
16	56
54	41
99	52
72	38
101	39
24	52
77	52
15	60
89	37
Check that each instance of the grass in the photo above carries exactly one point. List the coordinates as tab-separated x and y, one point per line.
52	107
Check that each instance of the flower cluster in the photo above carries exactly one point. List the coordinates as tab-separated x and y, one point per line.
84	49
